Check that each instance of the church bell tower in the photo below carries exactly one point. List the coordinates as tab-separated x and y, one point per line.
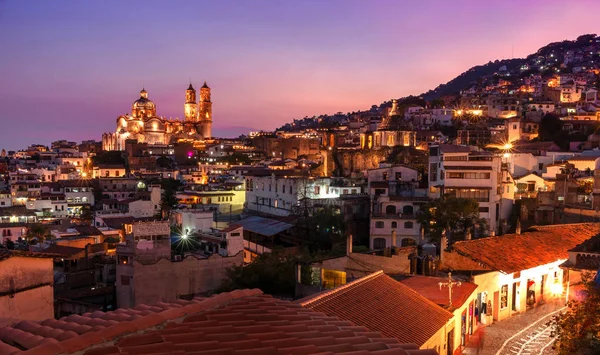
191	107
205	111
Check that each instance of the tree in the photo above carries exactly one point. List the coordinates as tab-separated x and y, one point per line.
550	128
577	330
168	201
36	233
453	214
274	273
86	216
325	228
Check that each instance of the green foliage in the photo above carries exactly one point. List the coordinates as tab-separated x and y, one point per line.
164	162
86	217
9	244
274	273
168	201
35	233
324	228
577	330
521	187
455	215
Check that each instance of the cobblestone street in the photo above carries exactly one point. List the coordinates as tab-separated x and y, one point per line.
522	334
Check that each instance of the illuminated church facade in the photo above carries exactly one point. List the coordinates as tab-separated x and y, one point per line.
145	126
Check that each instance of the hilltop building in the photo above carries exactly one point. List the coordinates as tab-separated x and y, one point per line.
145	126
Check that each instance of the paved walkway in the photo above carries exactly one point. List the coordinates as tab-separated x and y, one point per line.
521	334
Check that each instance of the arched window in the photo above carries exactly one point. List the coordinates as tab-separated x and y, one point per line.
408	225
408	209
394	224
379	243
390	209
379	224
406	242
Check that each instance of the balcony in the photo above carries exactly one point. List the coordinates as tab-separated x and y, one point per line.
393	216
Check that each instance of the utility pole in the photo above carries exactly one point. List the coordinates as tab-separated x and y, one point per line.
450	284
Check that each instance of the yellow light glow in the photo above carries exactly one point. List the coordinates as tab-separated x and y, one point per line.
508	146
506	155
556	288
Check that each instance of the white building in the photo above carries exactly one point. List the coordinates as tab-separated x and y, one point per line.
395	200
462	172
191	220
282	195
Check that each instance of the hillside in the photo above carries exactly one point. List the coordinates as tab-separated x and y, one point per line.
546	61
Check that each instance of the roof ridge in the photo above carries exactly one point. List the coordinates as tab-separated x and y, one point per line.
312	299
110	333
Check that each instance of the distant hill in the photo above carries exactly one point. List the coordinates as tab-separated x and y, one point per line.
555	50
471	77
554	58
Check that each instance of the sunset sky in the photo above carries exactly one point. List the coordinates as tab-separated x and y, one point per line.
68	68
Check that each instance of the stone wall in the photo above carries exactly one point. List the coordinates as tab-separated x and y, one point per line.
166	281
358	160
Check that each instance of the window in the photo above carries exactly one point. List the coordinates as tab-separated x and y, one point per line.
398	176
480	195
484	209
408	225
504	296
379	243
379	224
391	209
408	209
394	224
344	191
283	189
433	171
385	176
317	190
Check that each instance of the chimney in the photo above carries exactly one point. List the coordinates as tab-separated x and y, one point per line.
393	238
518	228
468	234
492	233
349	245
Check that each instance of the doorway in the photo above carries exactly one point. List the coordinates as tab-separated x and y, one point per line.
514	297
544	278
450	343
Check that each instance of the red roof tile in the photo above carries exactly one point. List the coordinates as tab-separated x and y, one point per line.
239	322
429	288
516	252
383	305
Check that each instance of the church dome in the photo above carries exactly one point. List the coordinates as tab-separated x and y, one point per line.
143	106
143	103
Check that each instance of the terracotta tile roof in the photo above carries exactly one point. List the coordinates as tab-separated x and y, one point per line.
382	304
243	322
429	288
539	246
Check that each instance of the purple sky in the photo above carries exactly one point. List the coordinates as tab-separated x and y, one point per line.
68	68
